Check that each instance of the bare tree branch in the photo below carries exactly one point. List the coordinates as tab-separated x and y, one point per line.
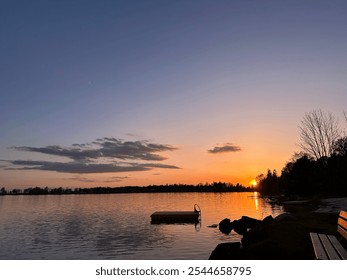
318	133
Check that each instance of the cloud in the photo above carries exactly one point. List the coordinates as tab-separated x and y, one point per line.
82	167
104	155
225	148
113	179
84	180
105	148
116	179
134	135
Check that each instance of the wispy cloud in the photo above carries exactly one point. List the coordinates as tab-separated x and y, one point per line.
113	179
79	179
225	148
99	156
116	179
105	148
81	167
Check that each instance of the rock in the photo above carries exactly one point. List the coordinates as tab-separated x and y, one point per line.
250	222
213	226
253	236
285	237
225	226
268	219
241	226
264	250
285	217
227	251
258	232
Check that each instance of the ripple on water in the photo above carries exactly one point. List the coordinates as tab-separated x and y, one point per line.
118	226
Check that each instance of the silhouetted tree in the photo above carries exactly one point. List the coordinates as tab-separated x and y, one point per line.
340	147
320	168
214	187
16	191
269	184
318	132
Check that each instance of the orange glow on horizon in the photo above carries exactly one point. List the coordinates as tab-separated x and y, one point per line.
253	183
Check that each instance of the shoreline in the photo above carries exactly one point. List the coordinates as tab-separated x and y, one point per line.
286	237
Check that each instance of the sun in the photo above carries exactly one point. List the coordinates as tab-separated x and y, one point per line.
253	183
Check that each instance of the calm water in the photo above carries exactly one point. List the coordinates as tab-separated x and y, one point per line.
117	226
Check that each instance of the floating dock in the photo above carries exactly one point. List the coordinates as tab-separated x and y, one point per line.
177	216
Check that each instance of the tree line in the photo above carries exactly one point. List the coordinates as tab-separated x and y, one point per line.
320	167
208	187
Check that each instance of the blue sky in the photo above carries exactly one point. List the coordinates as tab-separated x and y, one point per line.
193	75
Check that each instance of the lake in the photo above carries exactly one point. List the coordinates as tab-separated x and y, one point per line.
118	226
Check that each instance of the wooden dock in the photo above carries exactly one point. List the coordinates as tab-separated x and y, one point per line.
176	216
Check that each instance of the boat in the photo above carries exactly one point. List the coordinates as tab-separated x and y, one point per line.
177	216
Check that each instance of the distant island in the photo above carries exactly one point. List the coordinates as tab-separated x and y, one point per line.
213	187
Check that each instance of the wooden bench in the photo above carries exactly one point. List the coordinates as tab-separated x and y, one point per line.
327	247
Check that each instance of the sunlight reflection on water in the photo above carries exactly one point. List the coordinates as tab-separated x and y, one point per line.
118	226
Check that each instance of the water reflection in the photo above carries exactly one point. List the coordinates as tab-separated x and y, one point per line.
118	226
256	201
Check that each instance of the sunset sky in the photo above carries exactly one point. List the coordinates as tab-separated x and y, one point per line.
116	93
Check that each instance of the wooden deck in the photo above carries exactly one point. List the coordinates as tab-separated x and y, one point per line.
175	216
